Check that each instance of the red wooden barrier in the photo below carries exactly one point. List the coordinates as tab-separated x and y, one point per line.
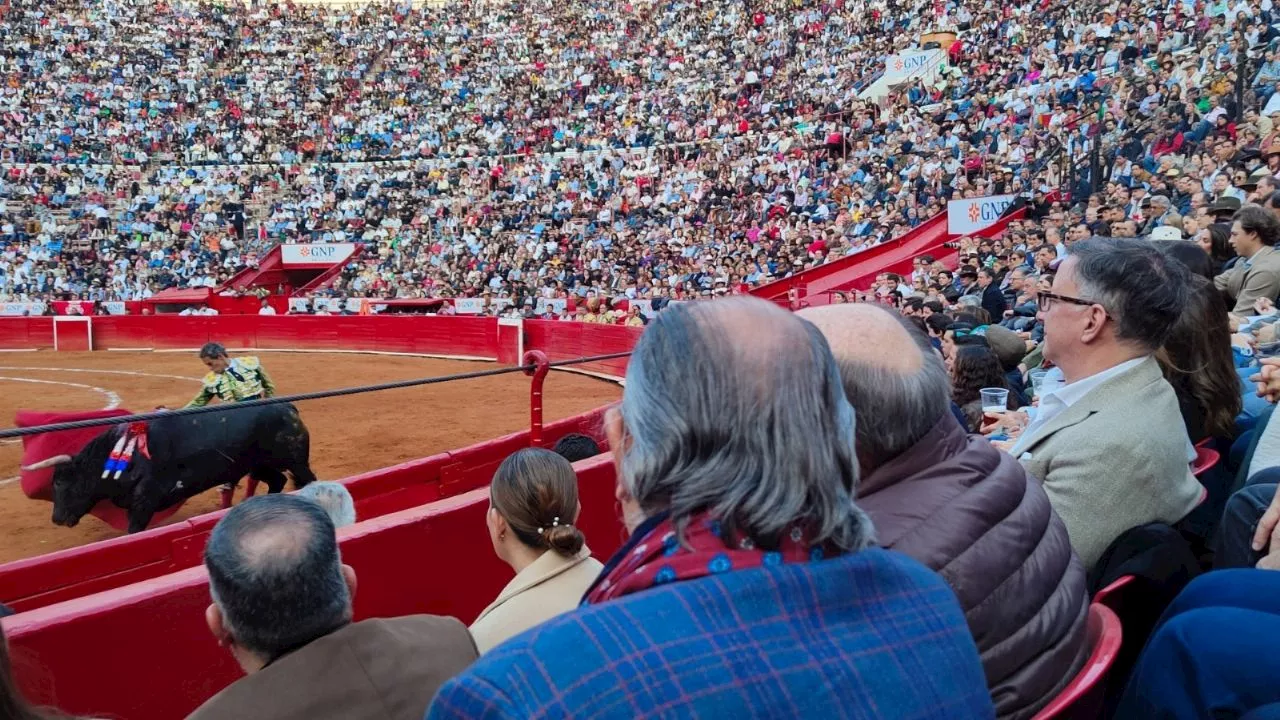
569	340
847	270
77	572
433	335
142	651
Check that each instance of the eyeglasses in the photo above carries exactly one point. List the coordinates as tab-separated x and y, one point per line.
1045	300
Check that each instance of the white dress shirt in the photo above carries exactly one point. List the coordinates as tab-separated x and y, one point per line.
1055	398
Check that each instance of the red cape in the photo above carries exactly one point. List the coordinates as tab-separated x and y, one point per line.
38	485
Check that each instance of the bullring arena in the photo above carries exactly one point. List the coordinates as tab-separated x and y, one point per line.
349	435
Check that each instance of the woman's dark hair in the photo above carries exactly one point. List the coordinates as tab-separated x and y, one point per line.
536	491
1189	254
212	350
1220	242
12	705
1196	359
975	367
1258	220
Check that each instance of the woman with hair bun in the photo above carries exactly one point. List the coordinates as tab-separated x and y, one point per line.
533	511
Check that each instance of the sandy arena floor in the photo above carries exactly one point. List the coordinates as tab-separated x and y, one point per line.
349	435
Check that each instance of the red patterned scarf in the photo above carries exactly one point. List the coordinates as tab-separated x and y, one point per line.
653	556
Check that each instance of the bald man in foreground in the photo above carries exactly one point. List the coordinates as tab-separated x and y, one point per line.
961	507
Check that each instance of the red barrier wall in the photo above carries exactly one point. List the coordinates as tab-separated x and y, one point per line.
849	270
569	340
143	651
73	573
77	572
817	285
452	336
26	333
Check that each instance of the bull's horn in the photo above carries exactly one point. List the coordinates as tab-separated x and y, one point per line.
47	463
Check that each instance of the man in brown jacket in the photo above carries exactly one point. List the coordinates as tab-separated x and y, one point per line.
282	606
961	507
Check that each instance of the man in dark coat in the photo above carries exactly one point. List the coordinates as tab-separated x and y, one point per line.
961	507
992	298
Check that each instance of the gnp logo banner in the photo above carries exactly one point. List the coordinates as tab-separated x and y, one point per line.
316	254
971	215
905	64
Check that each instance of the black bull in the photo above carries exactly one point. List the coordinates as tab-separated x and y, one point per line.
189	454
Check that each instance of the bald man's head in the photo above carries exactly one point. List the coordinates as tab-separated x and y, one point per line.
866	333
892	376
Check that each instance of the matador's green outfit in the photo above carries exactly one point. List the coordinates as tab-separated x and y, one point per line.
244	379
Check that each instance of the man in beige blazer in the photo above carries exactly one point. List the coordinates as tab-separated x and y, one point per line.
282	606
1108	442
1254	234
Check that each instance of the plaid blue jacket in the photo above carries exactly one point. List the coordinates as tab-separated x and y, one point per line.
868	635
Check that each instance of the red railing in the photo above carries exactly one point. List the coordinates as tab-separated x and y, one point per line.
857	272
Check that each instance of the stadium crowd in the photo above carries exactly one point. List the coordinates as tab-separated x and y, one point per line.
683	151
979	448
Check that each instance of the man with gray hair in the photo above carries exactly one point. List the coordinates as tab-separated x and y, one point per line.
960	506
282	606
334	499
734	446
1108	439
1160	213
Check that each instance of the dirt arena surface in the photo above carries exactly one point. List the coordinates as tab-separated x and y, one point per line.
349	435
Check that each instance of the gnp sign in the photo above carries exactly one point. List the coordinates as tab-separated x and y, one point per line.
966	217
903	65
322	254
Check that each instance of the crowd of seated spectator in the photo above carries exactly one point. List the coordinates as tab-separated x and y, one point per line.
686	152
825	516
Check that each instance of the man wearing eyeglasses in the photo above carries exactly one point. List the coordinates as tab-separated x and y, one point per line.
1107	440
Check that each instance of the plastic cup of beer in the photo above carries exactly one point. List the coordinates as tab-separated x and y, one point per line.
994	400
1037	381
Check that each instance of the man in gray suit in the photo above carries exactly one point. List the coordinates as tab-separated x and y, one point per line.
1108	441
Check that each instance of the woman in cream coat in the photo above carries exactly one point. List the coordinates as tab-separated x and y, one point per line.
533	505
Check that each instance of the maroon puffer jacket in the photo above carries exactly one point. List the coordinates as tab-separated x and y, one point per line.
971	513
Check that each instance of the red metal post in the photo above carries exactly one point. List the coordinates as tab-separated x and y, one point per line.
542	365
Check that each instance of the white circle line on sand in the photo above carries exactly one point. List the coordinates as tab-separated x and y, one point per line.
133	373
112	399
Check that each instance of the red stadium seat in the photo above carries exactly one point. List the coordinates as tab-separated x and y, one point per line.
1206	458
1083	697
1109	592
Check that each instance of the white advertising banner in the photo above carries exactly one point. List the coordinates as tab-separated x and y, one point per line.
316	254
23	308
971	215
468	306
556	305
299	304
114	307
903	65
